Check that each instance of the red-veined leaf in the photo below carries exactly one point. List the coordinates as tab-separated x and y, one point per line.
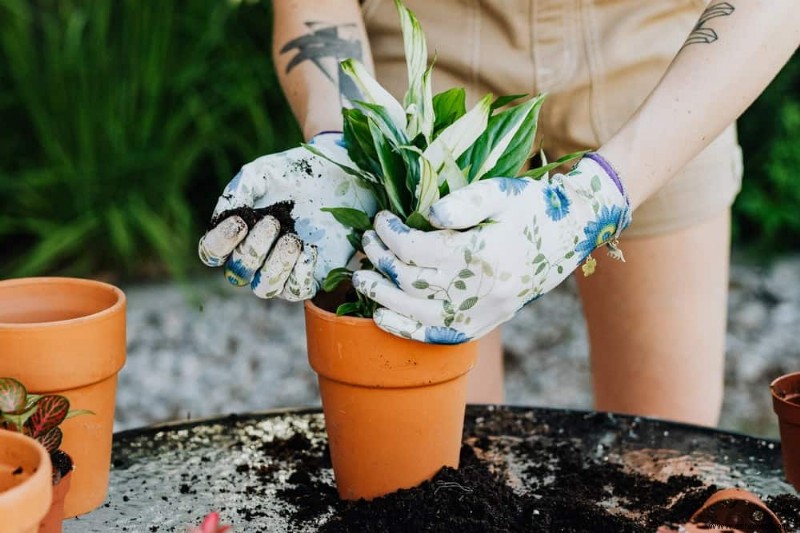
52	410
51	440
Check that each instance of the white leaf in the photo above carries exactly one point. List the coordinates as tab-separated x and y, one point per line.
372	91
418	100
454	176
427	192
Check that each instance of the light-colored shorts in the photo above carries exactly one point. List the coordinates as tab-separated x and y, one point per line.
596	59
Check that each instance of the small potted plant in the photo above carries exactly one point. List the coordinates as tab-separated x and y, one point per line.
25	483
394	407
786	404
39	417
66	336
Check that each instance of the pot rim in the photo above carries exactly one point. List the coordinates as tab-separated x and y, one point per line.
333	317
56	280
792	377
41	479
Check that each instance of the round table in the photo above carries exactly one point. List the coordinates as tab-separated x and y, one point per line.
166	477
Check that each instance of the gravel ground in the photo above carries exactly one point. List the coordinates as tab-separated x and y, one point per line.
209	349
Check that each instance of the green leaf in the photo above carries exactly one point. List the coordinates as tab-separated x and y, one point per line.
420	284
539	258
417	221
335	277
465	273
78	412
355	241
460	135
537	173
349	217
394	175
348	308
501	101
12	395
539	269
506	144
469	303
460	285
448	106
358	139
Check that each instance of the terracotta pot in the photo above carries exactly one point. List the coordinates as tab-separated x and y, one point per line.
67	336
52	522
394	408
25	496
786	404
737	508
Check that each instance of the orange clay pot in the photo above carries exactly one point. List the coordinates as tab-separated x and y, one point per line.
394	408
52	522
737	508
24	497
786	404
67	336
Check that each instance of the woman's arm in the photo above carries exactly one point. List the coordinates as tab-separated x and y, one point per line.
310	38
734	51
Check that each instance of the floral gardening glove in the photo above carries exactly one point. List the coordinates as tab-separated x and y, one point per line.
268	227
523	237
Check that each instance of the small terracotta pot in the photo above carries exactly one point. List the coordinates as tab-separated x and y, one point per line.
740	509
26	494
53	521
67	336
786	404
394	408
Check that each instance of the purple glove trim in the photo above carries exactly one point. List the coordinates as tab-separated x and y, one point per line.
324	132
600	160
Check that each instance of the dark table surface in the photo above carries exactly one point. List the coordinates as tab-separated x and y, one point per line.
166	477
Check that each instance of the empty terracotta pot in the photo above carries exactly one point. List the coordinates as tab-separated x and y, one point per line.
786	404
394	408
67	336
737	509
25	483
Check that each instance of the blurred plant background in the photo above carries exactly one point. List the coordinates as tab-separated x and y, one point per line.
122	121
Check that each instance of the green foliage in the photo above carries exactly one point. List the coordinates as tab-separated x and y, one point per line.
413	153
767	212
123	121
37	416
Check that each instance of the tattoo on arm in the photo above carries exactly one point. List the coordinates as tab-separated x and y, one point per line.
325	46
703	34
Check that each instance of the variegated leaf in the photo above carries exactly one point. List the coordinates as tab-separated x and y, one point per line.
459	136
12	395
418	101
51	440
373	92
51	411
427	192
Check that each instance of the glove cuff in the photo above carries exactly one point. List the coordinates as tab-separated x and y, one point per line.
602	162
606	166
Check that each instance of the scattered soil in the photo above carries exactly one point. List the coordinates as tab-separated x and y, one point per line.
569	494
